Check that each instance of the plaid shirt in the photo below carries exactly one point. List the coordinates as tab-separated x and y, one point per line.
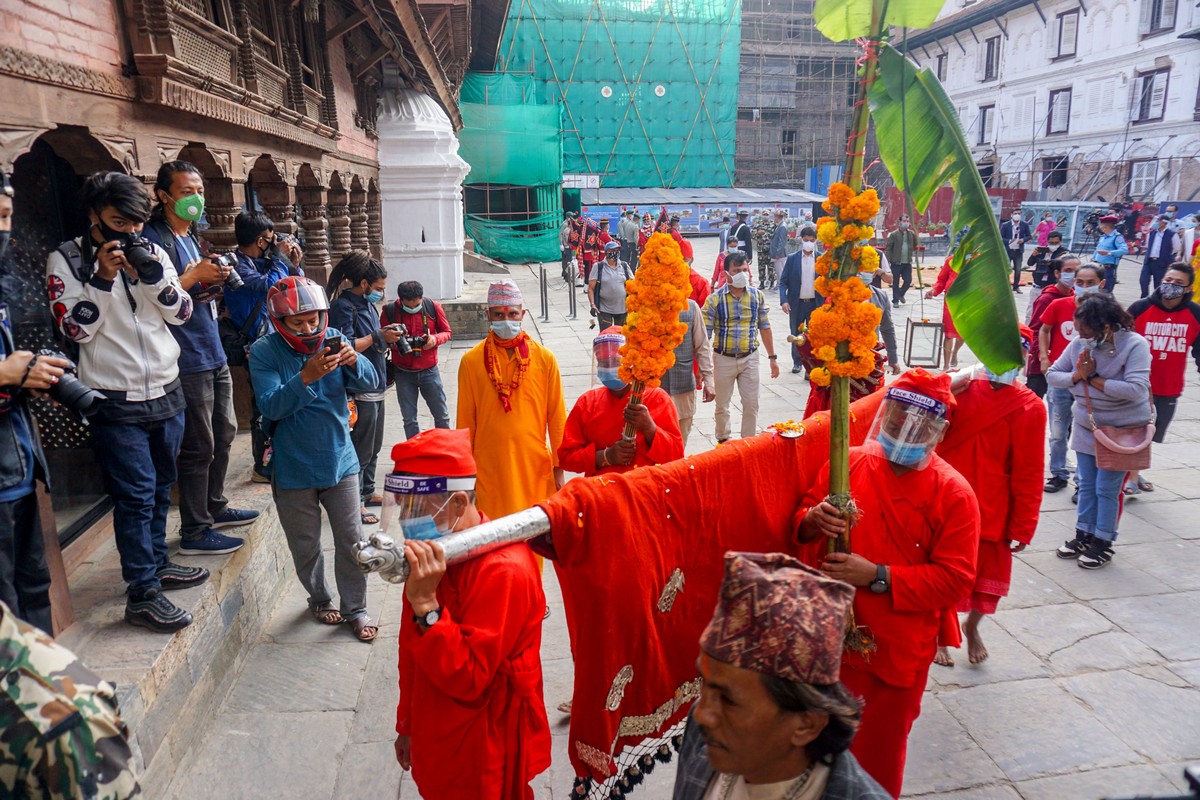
847	780
735	322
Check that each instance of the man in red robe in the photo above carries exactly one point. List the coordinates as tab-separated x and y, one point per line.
471	722
997	444
593	441
914	545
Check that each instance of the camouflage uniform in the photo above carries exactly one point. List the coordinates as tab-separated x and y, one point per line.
60	735
763	230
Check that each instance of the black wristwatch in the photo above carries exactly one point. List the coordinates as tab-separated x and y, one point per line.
429	618
773	358
880	584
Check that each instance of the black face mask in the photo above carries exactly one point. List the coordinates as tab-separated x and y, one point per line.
271	248
112	235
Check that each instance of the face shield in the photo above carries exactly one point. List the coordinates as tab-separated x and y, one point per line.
908	426
608	360
420	504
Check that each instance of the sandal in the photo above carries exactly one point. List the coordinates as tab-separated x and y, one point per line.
375	500
369	518
1130	490
364	631
1145	485
327	614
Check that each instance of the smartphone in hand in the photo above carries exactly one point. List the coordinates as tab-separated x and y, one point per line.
334	343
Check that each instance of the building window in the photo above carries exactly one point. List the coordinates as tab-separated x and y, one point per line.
1152	95
986	173
1062	35
1054	172
789	143
989	59
1157	16
987	124
1058	119
1143	177
939	66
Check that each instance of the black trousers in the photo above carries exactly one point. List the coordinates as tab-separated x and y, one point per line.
1036	384
1164	412
24	576
1017	257
901	280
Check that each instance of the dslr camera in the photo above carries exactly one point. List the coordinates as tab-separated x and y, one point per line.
406	343
233	280
79	399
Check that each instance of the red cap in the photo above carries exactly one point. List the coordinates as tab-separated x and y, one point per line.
439	452
1110	218
935	387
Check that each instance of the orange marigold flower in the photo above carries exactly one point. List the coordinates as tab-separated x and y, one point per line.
840	194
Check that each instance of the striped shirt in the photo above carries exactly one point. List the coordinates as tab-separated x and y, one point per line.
735	321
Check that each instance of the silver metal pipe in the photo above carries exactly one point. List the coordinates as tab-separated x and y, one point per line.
383	554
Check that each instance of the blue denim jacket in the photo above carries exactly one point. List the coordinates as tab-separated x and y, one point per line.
312	422
258	275
358	318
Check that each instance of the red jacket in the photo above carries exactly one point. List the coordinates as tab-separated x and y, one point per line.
700	288
596	421
1172	333
437	327
1043	301
924	524
996	443
471	685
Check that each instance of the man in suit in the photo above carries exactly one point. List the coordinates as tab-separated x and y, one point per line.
744	236
772	717
1161	244
797	297
1015	233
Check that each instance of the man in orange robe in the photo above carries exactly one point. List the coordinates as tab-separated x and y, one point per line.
592	442
510	398
471	723
914	546
997	444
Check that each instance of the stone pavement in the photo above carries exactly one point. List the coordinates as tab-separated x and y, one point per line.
1092	689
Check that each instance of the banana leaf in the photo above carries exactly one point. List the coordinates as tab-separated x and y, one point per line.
840	20
910	105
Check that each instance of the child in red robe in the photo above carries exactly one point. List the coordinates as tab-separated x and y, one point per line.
592	440
914	546
471	723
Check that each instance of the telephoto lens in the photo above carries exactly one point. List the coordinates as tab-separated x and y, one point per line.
402	344
81	400
139	251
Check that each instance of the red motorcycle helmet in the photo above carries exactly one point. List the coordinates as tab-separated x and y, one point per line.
296	295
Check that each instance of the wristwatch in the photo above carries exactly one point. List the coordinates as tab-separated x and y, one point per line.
880	584
429	618
773	358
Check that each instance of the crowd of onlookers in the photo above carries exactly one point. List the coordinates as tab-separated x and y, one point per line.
155	324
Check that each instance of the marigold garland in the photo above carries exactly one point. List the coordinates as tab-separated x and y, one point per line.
847	316
657	295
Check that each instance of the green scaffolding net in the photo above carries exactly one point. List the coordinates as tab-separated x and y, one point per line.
648	89
513	194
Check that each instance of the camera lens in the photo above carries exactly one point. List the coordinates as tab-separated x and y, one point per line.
71	393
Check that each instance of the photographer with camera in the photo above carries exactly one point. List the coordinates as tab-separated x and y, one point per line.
424	329
209	420
24	576
116	295
263	258
353	312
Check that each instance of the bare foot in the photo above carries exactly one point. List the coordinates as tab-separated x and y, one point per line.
943	657
976	652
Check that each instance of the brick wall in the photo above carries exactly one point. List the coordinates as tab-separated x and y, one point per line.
81	32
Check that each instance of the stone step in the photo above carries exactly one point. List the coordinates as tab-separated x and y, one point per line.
477	262
169	686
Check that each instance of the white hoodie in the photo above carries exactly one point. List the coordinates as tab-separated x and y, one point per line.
121	348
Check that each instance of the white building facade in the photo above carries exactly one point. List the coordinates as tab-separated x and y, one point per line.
1075	99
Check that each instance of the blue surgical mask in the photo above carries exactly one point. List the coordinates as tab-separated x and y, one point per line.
1007	378
1084	291
424	527
1067	278
507	328
608	377
408	310
904	455
374	297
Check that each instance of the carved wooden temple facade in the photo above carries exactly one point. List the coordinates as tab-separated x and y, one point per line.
276	101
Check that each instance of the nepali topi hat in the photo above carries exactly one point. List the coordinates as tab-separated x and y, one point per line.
777	617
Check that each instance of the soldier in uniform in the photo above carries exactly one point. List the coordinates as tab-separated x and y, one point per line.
60	734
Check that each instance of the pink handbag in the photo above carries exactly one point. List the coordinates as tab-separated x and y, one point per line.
1120	449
